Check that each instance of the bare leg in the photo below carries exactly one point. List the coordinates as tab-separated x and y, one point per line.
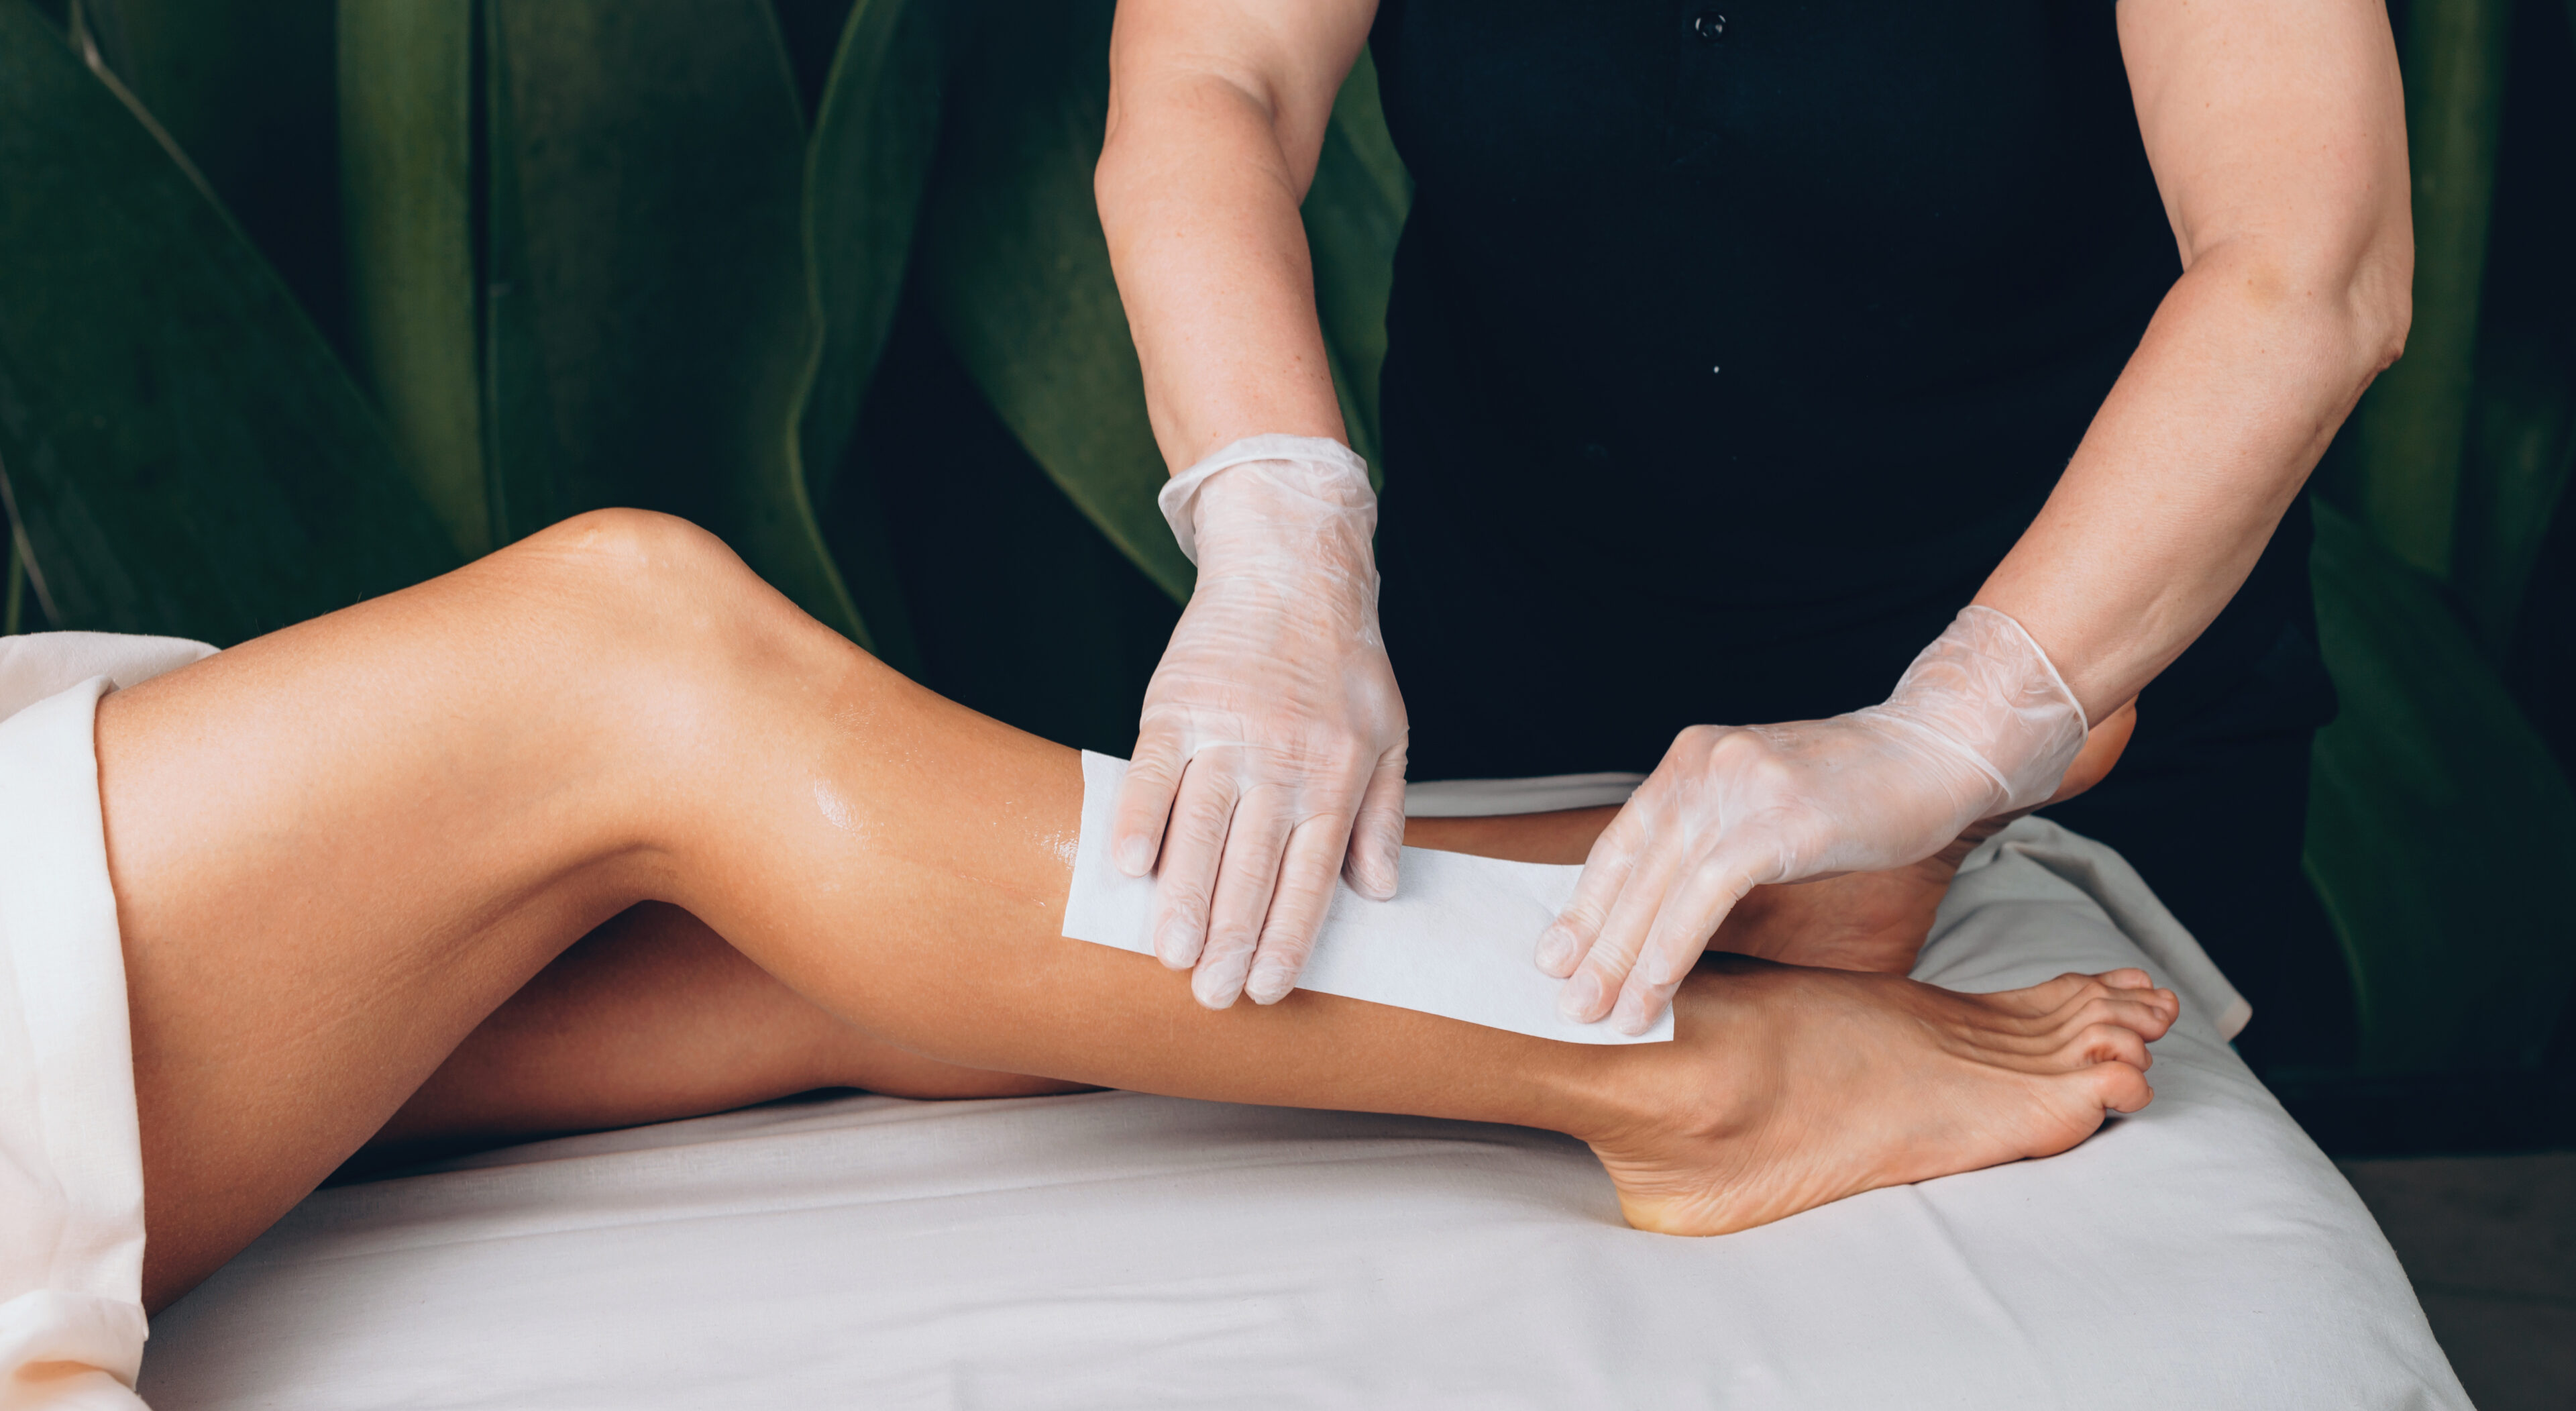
337	850
653	1016
649	1018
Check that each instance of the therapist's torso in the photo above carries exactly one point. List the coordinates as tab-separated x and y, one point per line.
1732	344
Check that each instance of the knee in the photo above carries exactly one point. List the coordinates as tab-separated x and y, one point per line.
655	602
625	577
625	557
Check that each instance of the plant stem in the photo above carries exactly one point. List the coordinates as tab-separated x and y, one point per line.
17	592
2414	426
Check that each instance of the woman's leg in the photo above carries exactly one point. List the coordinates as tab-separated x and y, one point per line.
338	849
653	1016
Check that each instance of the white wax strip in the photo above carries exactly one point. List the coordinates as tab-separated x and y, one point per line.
1455	941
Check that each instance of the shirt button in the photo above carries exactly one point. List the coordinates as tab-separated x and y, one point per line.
1710	26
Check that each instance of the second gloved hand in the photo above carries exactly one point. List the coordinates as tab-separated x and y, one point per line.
1981	724
1270	757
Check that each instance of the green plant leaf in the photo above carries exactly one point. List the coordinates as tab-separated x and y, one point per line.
2414	422
179	448
245	88
2437	822
406	182
1018	271
649	324
866	168
1354	212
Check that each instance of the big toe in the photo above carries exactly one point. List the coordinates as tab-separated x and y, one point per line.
2117	1087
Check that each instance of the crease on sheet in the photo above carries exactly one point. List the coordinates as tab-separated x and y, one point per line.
1455	941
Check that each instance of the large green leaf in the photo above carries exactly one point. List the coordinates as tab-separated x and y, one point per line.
649	323
2438	824
245	88
2415	421
406	181
2522	422
866	168
180	449
1018	270
1354	211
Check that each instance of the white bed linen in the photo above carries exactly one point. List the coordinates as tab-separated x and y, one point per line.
1117	1250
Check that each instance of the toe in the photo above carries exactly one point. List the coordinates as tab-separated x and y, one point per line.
2047	997
2118	1007
2117	1087
2107	1042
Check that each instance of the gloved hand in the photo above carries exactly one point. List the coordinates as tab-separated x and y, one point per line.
1272	744
1980	724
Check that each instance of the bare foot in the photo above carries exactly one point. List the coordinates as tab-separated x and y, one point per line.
1791	1087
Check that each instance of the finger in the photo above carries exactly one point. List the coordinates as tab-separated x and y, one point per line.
1377	835
1145	801
1697	905
1596	983
1568	939
1185	881
1639	1004
1297	910
1245	882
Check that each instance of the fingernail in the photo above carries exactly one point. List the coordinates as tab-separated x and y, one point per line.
1581	998
1135	856
1555	950
1177	943
1630	1017
1220	983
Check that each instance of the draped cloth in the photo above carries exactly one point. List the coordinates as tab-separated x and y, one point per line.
71	1158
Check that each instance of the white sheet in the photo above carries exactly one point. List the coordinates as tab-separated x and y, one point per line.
1455	940
71	1159
1116	1250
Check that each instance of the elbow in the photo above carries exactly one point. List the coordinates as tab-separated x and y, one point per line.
2379	297
2347	302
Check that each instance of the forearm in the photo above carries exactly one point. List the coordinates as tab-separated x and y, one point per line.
1198	196
2245	373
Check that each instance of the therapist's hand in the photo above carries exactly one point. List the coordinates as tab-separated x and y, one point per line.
1981	724
1271	754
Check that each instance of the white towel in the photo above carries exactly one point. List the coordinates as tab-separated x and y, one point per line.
71	1158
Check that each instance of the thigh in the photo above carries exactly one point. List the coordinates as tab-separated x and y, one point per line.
336	848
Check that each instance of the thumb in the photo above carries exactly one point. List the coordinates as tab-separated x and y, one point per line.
1377	834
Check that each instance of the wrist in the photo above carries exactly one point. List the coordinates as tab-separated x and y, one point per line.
1263	487
1985	689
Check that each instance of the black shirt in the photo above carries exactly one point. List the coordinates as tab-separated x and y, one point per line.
1732	345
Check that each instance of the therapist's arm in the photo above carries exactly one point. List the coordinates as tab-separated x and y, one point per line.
1270	753
1217	110
2277	132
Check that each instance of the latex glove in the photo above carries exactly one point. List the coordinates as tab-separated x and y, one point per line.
1980	724
1271	754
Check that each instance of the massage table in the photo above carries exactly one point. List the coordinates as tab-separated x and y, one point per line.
1130	1251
